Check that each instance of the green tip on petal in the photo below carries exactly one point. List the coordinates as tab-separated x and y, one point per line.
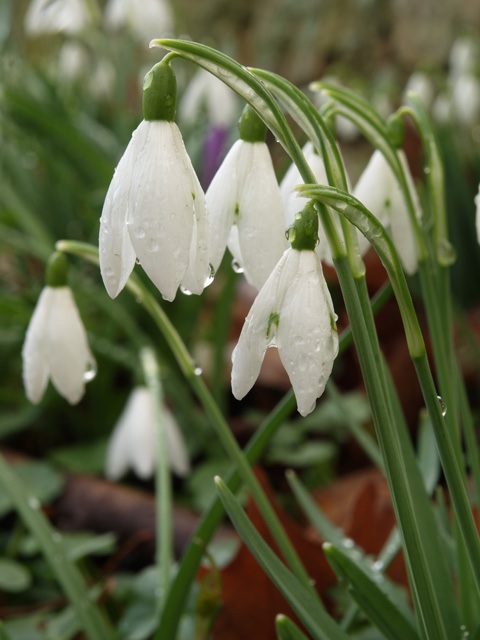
57	270
251	127
303	234
160	93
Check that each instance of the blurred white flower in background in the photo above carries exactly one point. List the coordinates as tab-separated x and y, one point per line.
133	443
378	189
146	20
56	348
206	91
52	16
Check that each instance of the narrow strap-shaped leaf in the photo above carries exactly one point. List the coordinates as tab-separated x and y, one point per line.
313	616
288	630
373	598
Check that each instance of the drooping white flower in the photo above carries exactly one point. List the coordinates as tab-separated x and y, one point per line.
206	91
378	189
421	84
146	19
293	202
133	440
56	348
293	312
245	211
45	16
155	212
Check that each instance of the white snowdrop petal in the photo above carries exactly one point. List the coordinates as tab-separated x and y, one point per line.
261	227
160	207
132	440
222	199
259	330
198	270
292	202
116	253
35	349
45	16
307	345
177	450
69	356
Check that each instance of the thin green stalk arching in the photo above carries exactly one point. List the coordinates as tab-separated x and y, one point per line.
163	485
434	621
186	573
380	240
253	91
309	119
431	612
92	619
217	420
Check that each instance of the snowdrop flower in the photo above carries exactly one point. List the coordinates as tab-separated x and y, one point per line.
293	202
45	16
378	189
466	99
154	211
56	345
293	312
133	441
245	207
421	84
207	91
147	19
477	214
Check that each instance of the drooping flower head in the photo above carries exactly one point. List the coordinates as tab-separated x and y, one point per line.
154	211
294	313
245	207
56	345
133	440
378	189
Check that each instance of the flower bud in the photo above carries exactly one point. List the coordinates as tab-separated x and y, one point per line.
160	93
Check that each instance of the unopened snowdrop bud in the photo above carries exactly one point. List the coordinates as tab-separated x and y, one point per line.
133	440
245	207
378	189
293	312
154	211
56	345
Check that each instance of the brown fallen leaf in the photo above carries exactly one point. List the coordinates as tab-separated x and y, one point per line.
358	503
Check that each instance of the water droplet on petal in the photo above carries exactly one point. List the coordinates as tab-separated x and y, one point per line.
139	232
90	371
290	234
210	278
237	267
152	246
185	291
443	406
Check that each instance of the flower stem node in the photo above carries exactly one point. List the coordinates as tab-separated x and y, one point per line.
57	270
251	127
293	312
160	93
303	234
